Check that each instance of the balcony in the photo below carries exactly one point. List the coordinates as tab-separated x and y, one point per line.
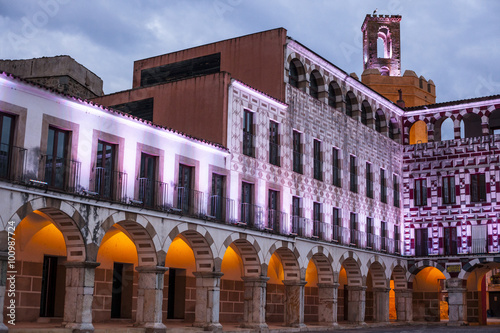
152	194
251	215
298	225
340	234
221	209
276	221
111	185
60	173
320	230
358	238
12	162
373	242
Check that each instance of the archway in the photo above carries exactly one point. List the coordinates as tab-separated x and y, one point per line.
334	94
351	293
316	85
296	74
351	104
418	132
429	300
380	122
494	122
470	126
366	114
377	293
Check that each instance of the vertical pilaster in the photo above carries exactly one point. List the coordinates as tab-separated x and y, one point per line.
207	300
150	298
404	304
327	309
78	296
3	281
457	302
254	315
294	303
356	298
381	304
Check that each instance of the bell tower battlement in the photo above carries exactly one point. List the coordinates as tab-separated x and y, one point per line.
381	44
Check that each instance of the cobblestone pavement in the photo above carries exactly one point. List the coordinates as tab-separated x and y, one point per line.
427	328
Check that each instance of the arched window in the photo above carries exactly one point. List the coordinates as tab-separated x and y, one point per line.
351	103
313	86
366	113
418	132
334	93
444	130
391	130
384	43
380	121
293	75
494	122
470	126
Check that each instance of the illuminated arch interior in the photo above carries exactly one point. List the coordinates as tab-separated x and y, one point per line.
418	132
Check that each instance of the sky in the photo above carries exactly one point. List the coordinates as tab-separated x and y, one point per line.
456	43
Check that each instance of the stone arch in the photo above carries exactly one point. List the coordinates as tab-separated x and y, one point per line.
138	226
66	218
380	122
474	264
418	132
494	122
415	269
289	257
323	261
399	275
202	244
377	268
444	129
316	84
366	113
296	74
393	129
249	250
470	126
351	104
352	265
334	94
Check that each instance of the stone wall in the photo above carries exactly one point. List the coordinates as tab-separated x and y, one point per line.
275	303
426	306
311	302
473	306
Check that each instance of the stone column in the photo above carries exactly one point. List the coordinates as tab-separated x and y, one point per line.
150	298
3	281
294	303
79	295
207	300
327	309
356	298
457	302
404	304
254	315
381	304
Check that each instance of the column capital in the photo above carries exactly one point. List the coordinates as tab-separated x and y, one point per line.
81	264
294	282
151	269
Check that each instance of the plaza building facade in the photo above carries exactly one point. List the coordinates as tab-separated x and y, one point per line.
247	182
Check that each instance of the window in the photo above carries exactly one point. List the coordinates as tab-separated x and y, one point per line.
391	130
421	242
348	107
274	213
354	229
293	75
217	201
336	167
248	134
57	158
337	234
297	152
316	219
370	232
353	174
296	227
6	140
318	163
369	181
449	196
185	188
395	190
420	192
477	187
364	114
104	169
397	239
383	235
332	96
246	211
147	179
313	87
383	186
274	148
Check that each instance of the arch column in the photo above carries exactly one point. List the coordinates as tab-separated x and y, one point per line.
457	302
150	298
294	302
79	295
327	309
381	304
356	297
207	300
3	282
254	315
404	304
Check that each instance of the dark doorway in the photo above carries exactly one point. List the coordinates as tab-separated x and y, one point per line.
421	242
495	303
53	287
450	240
121	294
176	293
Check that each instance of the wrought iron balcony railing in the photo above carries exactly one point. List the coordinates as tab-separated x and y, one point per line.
152	194
276	221
111	185
60	173
12	162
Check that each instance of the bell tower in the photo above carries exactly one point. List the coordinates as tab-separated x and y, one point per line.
382	64
381	44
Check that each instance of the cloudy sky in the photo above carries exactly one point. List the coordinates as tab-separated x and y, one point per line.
456	43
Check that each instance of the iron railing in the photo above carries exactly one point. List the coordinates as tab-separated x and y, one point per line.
251	215
221	209
276	221
298	225
12	162
153	194
110	185
373	242
60	173
358	238
190	201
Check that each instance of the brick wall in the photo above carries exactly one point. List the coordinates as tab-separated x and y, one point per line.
231	301
426	306
311	302
340	305
473	306
275	303
369	306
